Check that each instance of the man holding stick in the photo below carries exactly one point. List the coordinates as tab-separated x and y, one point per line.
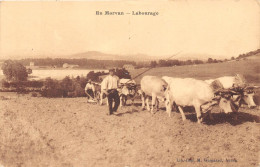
110	85
90	90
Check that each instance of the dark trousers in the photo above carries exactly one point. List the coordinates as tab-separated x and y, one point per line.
113	96
90	93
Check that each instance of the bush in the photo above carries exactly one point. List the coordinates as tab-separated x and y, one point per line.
33	84
83	82
94	76
52	88
122	73
5	84
27	84
66	88
78	89
14	71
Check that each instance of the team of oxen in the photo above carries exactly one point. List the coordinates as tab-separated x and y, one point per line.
229	93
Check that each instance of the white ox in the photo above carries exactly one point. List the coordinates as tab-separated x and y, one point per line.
192	92
245	94
152	86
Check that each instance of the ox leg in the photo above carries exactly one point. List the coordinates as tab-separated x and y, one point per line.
133	100
198	113
157	104
210	115
143	101
182	113
147	103
101	102
101	98
154	100
168	105
207	110
235	115
121	101
125	100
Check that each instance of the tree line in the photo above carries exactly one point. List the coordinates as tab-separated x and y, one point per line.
169	63
82	63
244	55
16	76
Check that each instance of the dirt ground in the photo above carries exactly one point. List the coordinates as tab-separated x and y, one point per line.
66	132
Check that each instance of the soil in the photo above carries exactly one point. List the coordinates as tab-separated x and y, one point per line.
37	131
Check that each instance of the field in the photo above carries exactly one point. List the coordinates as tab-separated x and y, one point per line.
37	131
249	68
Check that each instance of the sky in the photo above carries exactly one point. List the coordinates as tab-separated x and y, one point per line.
221	28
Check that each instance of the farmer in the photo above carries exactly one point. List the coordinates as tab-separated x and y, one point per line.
90	90
110	85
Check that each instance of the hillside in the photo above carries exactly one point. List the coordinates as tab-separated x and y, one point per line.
104	56
254	57
249	68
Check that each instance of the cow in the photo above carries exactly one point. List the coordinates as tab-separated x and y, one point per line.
244	93
196	93
229	81
125	93
127	90
152	86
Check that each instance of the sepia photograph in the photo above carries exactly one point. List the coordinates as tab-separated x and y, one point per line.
130	83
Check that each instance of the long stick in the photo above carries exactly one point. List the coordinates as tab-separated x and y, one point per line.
152	67
89	95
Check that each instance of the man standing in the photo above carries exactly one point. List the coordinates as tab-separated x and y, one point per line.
110	85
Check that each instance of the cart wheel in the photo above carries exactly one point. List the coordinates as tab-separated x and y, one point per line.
98	97
123	101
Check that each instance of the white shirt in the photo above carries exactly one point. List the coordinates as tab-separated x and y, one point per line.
90	86
110	82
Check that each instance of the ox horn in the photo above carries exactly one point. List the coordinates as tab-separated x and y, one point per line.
252	87
234	92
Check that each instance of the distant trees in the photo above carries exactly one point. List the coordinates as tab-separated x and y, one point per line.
169	63
163	63
153	64
244	55
14	71
82	63
198	61
210	60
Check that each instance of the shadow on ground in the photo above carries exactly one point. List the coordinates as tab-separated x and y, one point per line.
127	112
221	118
